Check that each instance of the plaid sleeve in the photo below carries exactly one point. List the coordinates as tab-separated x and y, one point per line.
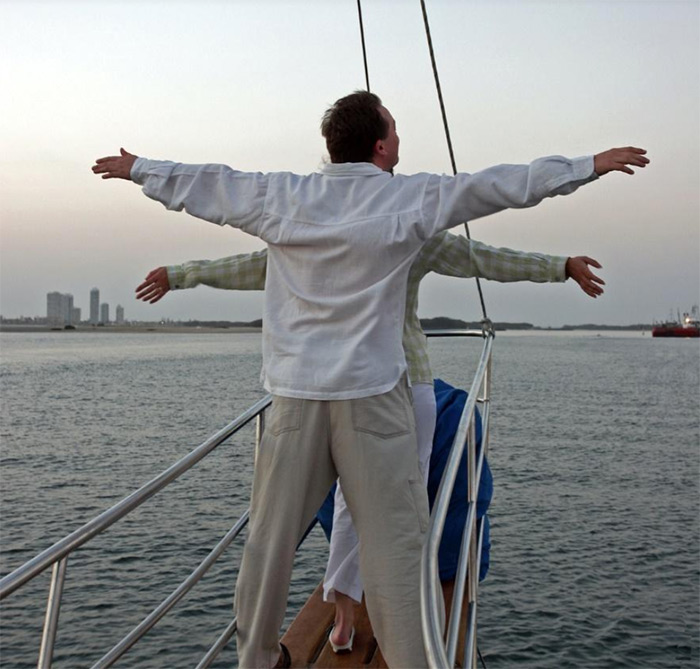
458	256
245	271
454	255
415	344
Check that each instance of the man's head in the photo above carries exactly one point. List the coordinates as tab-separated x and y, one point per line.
358	129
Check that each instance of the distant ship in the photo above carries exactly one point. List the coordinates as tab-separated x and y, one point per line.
688	326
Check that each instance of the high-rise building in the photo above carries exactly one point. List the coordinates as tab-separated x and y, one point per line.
94	306
54	314
67	308
120	315
75	319
104	313
59	309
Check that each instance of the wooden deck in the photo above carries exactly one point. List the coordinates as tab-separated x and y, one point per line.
307	636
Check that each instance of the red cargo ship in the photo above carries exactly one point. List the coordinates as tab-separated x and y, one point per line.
688	326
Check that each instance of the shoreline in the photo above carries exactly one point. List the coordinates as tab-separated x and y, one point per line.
250	329
137	329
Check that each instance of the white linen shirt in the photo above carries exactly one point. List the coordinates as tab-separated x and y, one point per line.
340	246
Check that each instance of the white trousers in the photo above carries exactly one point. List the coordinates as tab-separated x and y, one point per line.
343	570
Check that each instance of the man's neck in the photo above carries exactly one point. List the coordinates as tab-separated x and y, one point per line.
378	163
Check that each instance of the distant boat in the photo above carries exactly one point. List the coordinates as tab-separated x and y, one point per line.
688	326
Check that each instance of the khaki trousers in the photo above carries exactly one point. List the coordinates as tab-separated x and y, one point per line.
370	445
343	570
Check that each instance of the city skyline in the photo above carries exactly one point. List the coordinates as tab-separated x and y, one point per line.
520	80
61	311
63	303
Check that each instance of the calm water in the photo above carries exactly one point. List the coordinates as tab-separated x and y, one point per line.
595	524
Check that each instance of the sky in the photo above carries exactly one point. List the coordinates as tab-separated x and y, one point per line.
245	83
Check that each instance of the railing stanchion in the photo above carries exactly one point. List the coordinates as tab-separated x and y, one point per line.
53	608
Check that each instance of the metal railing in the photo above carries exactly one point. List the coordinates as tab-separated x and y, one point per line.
441	649
440	653
57	555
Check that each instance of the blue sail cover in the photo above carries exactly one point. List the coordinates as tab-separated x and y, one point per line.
450	404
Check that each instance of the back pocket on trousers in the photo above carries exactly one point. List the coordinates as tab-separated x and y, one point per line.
382	415
285	415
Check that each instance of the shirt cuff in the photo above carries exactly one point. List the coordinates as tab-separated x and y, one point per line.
557	270
176	277
584	168
139	171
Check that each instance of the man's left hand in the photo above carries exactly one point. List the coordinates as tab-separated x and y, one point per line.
115	167
577	269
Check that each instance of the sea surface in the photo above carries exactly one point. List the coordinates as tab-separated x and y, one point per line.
595	451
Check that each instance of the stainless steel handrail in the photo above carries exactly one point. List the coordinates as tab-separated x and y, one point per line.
61	548
219	645
470	646
431	603
152	618
453	333
441	654
57	554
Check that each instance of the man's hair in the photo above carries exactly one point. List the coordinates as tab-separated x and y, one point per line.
352	126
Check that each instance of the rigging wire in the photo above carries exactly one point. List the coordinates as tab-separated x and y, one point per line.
486	322
362	37
447	133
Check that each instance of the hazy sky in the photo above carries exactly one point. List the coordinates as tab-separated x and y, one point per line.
245	83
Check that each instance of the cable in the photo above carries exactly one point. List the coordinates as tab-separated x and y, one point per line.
447	134
486	322
362	37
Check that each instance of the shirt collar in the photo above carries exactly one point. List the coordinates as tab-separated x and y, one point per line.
351	169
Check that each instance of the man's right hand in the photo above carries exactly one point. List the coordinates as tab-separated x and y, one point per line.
155	286
115	167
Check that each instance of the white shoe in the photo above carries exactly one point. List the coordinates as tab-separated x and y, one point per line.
342	648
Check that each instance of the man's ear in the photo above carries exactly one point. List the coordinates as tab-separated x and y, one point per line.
379	148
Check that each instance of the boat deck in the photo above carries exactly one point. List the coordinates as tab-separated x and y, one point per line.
307	636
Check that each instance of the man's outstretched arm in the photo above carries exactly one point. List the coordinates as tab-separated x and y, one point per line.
449	201
218	194
245	271
612	160
215	193
454	255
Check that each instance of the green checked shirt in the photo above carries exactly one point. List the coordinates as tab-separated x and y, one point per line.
445	253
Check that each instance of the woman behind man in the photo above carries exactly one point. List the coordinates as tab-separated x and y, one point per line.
445	254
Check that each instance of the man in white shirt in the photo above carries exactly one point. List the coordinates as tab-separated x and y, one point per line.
340	245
